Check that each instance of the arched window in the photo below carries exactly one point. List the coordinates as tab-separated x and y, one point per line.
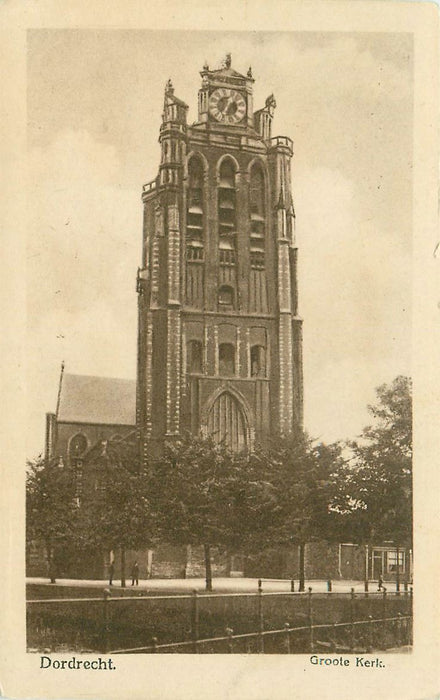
226	297
194	357
226	359
226	213
258	361
194	214
258	218
226	422
77	445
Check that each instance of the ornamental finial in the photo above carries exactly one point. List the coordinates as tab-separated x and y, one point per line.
249	73
169	90
270	101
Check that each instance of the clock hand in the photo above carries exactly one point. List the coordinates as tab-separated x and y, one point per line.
227	103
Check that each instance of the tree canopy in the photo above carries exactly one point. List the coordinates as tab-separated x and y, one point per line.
51	513
203	494
292	491
373	491
244	502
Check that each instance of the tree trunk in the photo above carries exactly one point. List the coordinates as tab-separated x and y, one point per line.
51	563
397	569
367	554
302	575
208	568
123	567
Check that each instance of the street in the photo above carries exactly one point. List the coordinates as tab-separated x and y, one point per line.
220	585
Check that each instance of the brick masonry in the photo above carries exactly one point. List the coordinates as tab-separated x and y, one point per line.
187	289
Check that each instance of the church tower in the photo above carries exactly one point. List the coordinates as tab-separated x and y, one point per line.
220	339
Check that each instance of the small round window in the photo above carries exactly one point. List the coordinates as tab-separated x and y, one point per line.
78	445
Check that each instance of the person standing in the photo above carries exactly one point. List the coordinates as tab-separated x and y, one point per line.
135	574
111	571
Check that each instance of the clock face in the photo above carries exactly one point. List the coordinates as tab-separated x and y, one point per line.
227	106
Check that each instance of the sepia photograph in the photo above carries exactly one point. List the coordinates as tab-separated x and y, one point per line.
219	389
220	302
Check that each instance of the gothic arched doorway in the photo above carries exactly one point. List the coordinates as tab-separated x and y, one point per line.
226	422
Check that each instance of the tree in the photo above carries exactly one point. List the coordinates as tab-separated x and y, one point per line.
114	511
205	495
373	493
300	471
51	514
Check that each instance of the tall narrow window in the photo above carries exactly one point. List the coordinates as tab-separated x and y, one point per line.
258	218
194	216
194	357
77	448
258	361
227	214
226	359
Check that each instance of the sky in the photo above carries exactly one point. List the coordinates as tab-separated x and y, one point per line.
94	103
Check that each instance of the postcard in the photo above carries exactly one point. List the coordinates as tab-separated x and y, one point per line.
221	307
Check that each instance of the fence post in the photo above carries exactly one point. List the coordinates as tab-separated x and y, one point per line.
230	632
399	629
408	630
310	612
370	633
329	585
292	585
154	645
287	628
384	603
384	614
195	621
352	619
260	585
260	621
105	630
366	588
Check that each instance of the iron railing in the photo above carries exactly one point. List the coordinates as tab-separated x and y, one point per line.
296	632
403	638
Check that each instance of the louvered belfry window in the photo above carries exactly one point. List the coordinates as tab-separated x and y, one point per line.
257	218
194	215
227	214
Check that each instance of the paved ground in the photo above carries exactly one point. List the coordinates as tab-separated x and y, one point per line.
220	585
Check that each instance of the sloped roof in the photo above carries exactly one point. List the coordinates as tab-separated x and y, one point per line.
176	100
104	400
228	72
